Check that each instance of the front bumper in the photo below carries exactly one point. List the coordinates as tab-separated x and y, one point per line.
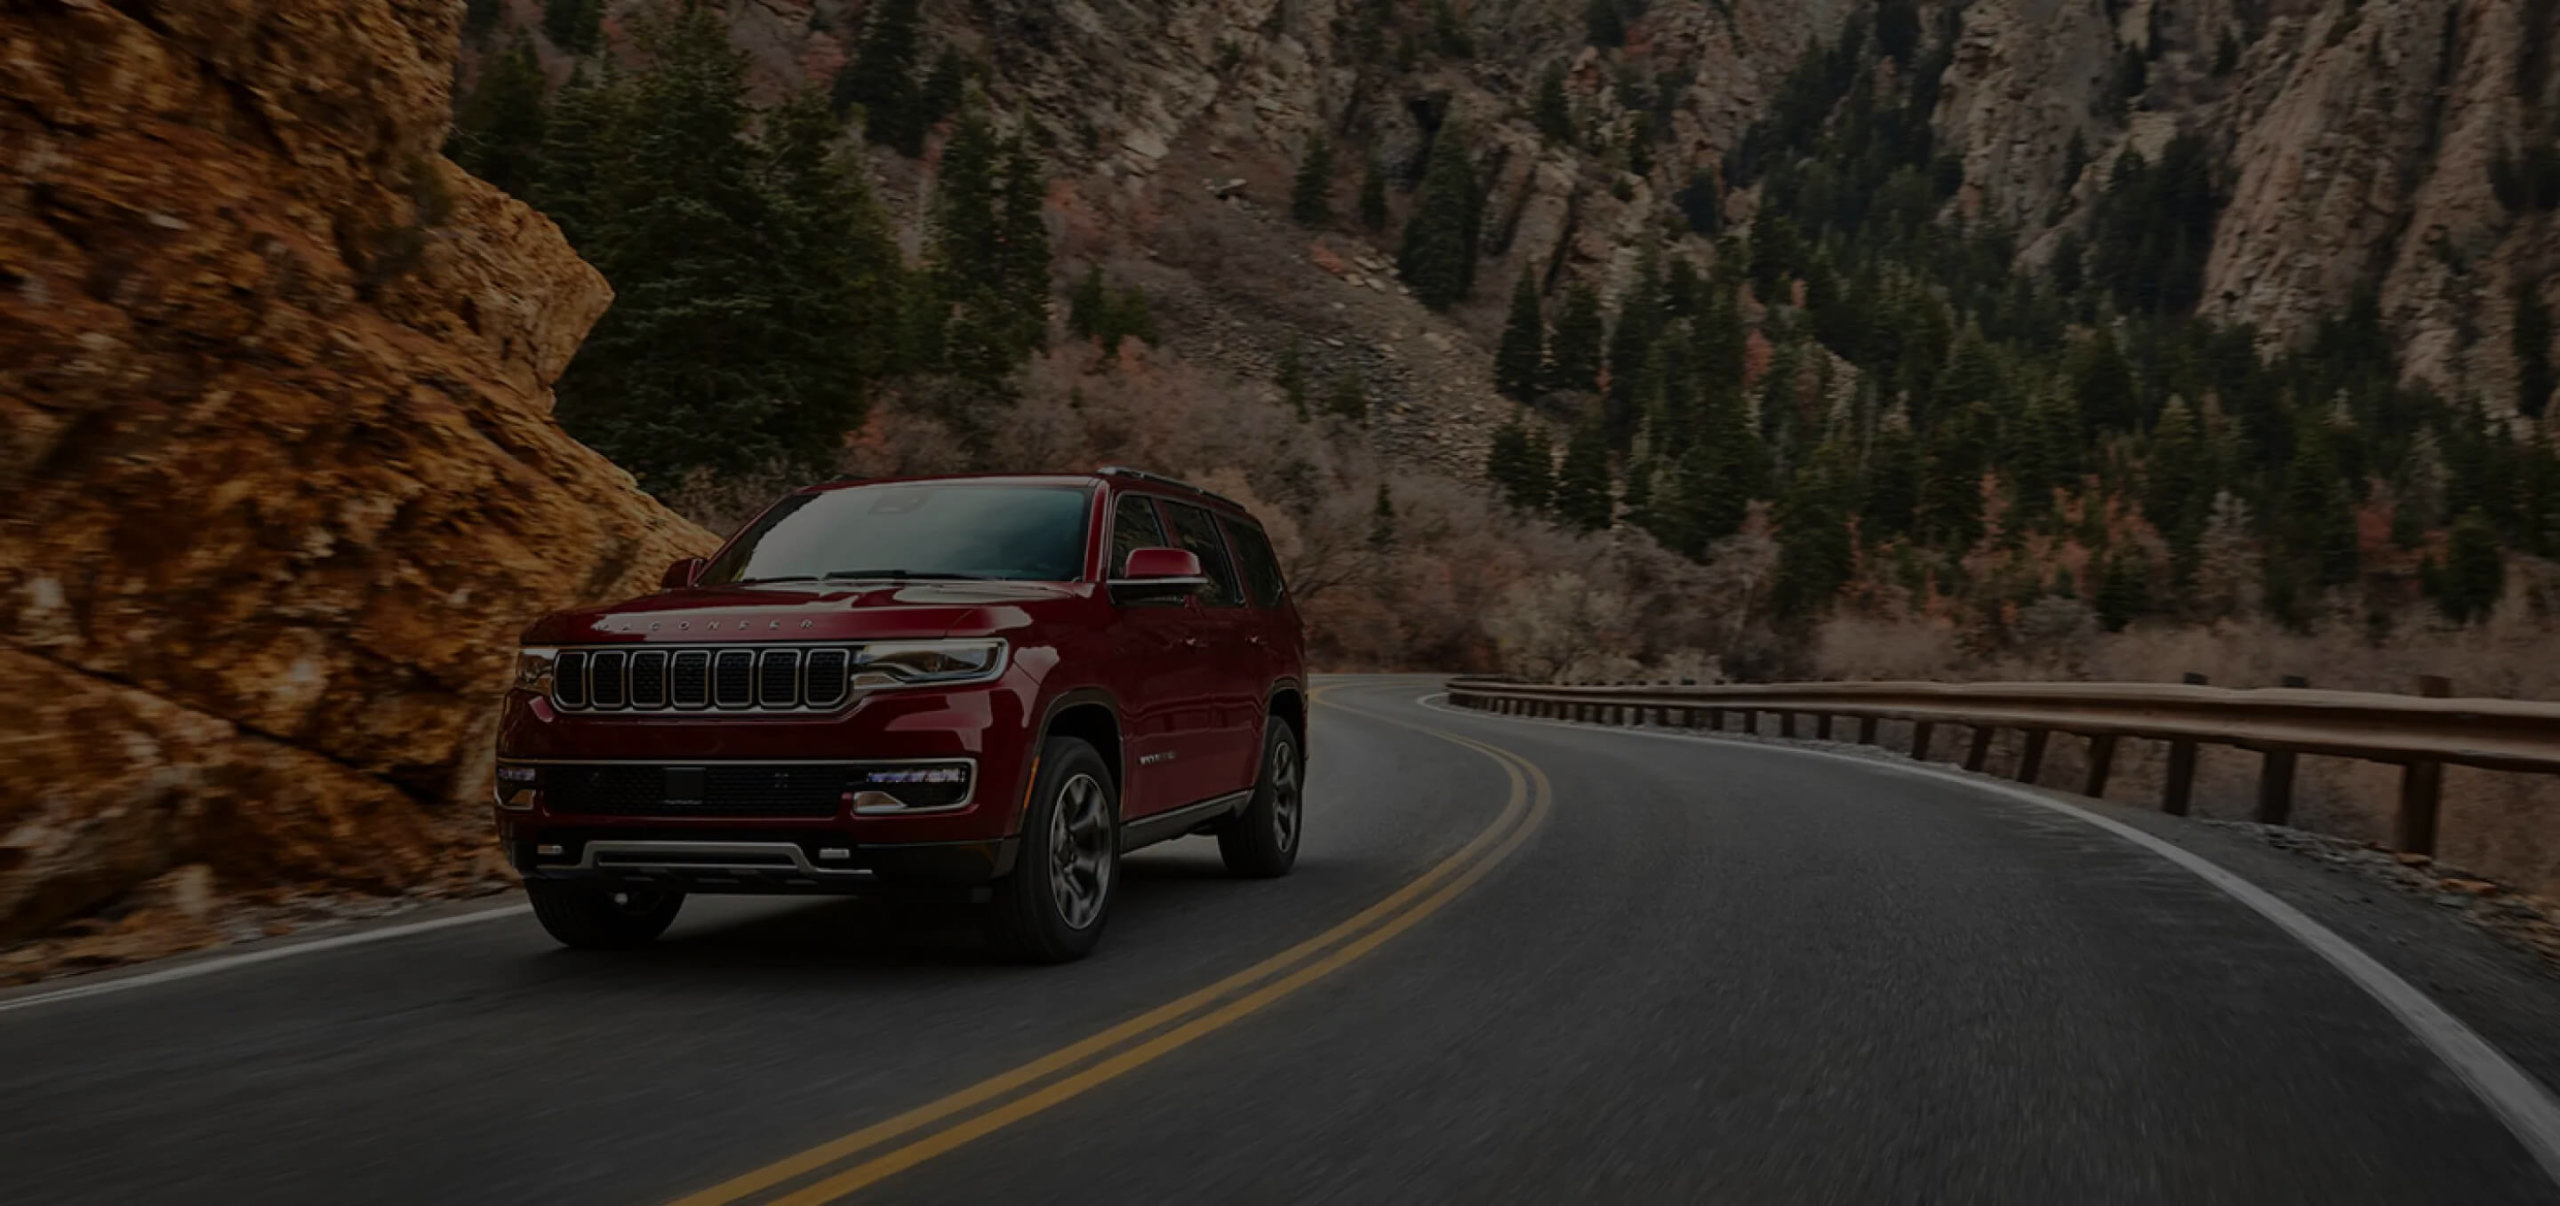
770	803
755	862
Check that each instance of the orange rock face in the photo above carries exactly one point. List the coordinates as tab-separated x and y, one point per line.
278	476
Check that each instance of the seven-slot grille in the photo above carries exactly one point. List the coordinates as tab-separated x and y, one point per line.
729	679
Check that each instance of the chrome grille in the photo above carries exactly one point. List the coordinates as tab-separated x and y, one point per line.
649	679
605	679
569	679
692	676
733	678
778	679
730	678
823	679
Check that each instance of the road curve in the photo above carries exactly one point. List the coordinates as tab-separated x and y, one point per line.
1517	963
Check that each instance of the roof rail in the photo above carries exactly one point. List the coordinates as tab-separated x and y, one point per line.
1163	480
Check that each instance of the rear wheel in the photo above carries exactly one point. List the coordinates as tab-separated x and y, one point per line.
594	917
1262	841
1052	908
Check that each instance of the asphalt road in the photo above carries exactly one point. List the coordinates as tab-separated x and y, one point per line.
1562	965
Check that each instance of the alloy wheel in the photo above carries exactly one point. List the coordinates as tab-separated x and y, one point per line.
1285	794
1080	851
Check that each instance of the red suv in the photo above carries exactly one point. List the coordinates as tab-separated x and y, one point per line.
983	687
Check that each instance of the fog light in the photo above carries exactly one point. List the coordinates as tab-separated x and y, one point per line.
834	854
554	851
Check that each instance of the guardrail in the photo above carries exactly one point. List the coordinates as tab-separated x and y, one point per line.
2420	733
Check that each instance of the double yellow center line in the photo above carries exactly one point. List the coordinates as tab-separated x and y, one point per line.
846	1165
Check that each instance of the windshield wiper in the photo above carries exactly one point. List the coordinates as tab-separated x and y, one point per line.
900	575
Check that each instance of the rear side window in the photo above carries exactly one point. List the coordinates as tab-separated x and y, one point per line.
1195	531
1253	555
1133	527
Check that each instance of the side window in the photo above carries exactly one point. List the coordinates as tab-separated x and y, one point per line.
1133	527
1253	554
1195	531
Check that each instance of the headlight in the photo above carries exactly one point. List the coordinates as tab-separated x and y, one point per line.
916	663
533	669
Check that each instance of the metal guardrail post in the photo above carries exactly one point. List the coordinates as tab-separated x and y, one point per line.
2422	785
2275	776
1787	725
1979	751
1866	730
2179	790
1822	726
1920	734
2102	757
2031	761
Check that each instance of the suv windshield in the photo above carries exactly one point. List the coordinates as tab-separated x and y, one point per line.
919	530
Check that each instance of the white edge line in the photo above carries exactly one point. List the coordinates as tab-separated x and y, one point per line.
2520	1101
227	962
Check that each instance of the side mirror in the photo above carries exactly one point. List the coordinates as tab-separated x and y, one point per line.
1159	575
681	574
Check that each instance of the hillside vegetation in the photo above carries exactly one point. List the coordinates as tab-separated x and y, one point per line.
1715	332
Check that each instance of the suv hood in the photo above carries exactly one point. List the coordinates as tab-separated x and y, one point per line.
834	612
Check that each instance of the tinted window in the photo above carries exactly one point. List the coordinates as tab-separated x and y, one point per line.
1133	527
1194	530
1253	556
918	530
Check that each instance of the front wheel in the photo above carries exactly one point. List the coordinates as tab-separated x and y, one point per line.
1261	842
592	917
1051	909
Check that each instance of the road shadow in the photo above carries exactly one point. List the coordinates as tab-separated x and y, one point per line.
884	941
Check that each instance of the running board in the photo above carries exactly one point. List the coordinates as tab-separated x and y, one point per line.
1148	830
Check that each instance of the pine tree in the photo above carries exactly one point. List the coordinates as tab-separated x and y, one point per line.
1538	470
1292	378
2474	573
1448	34
498	132
2531	339
1373	197
1552	112
1582	497
1631	339
945	88
2177	484
1382	522
744	269
1602	25
2102	380
1893	482
2318	520
1575	361
1347	398
966	249
1519	363
1438	257
1311	196
480	19
1815	550
2124	591
576	26
882	79
1023	253
579	143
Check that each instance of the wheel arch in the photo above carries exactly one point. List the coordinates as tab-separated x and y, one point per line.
1289	702
1091	715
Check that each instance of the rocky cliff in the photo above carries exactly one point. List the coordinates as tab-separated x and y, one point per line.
2362	143
278	478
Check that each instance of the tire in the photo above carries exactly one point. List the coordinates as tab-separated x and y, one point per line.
1051	909
593	917
1261	842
